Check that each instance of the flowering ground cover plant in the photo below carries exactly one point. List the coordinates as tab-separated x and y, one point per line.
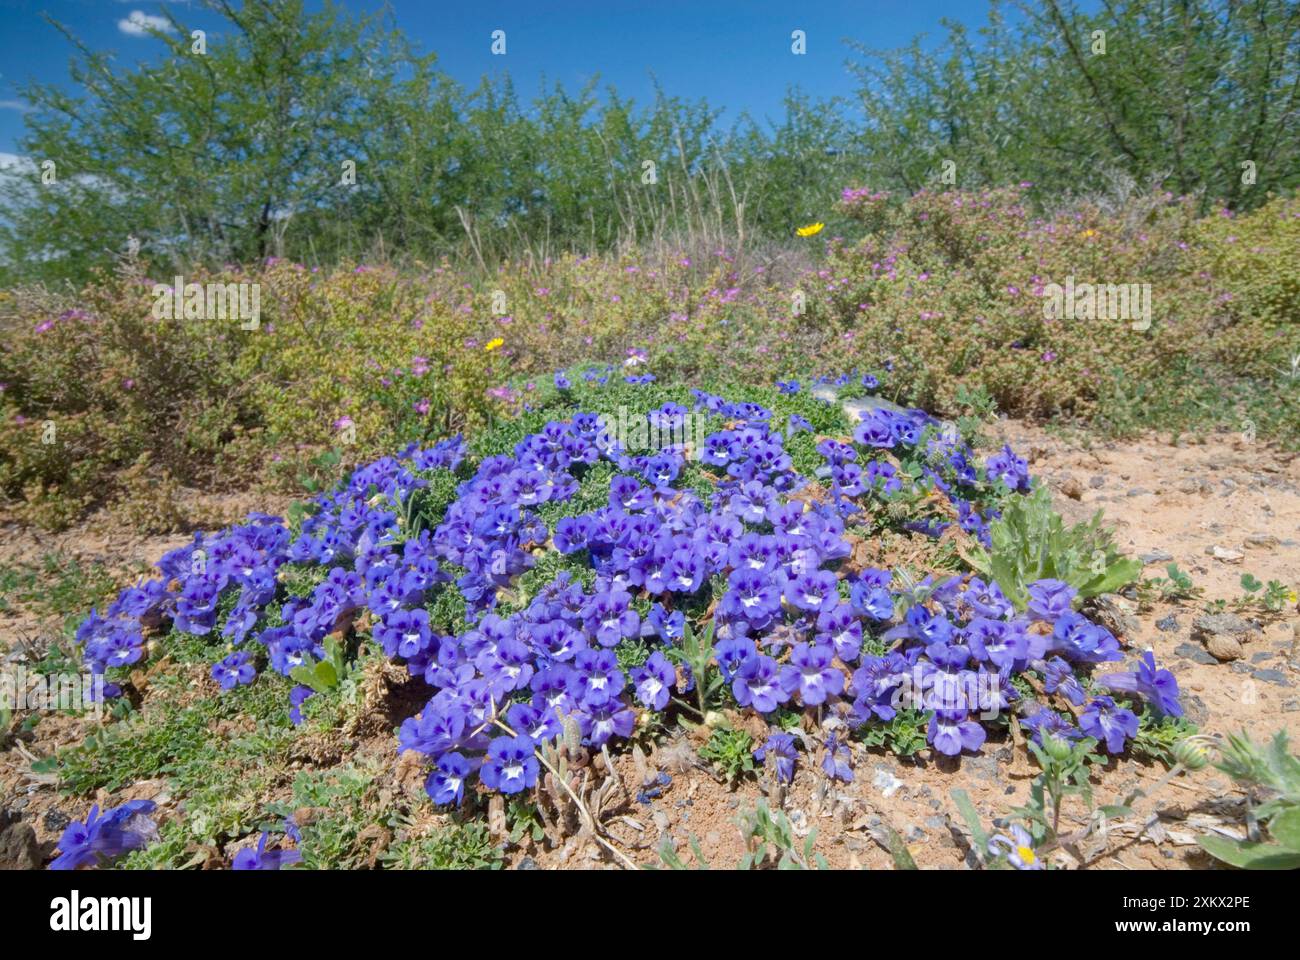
560	590
946	286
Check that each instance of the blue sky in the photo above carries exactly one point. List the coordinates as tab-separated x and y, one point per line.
734	54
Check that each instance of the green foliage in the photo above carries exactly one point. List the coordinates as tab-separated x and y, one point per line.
979	835
1157	736
1267	599
1176	586
1031	98
324	675
1030	542
1275	769
457	846
731	752
697	653
903	735
344	804
1065	772
770	841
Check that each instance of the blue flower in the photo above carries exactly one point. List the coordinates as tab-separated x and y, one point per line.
235	670
262	859
1157	687
838	760
951	731
510	766
756	684
105	837
781	746
446	784
811	675
1058	676
1108	723
1049	600
654	681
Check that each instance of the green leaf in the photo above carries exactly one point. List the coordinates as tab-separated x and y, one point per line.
1285	828
898	850
972	818
1250	856
46	765
326	675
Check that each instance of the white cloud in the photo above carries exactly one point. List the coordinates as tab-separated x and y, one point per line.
138	24
12	161
15	105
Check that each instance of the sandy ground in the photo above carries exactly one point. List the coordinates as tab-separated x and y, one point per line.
1166	502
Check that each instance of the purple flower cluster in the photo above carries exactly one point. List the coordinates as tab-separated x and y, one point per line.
581	655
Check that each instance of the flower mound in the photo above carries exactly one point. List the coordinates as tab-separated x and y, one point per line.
551	592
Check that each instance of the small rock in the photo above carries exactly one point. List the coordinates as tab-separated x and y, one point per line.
1167	624
1195	711
1224	648
1261	657
1115	613
1291	706
914	833
1225	554
55	820
1262	541
886	782
1223	634
19	849
1156	556
1138	492
1072	488
661	820
1097	481
936	823
1272	676
526	863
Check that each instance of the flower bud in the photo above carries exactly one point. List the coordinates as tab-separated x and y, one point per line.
1191	753
1058	748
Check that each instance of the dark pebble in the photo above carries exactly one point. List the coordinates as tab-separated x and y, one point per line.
527	863
1261	657
1198	654
1168	624
55	820
1272	676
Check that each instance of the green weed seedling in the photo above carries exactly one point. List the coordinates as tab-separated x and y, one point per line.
731	752
1031	542
1276	770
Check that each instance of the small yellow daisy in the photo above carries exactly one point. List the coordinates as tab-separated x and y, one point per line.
1088	233
811	230
493	344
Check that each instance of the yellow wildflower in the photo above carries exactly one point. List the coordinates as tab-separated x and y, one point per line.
811	230
493	344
